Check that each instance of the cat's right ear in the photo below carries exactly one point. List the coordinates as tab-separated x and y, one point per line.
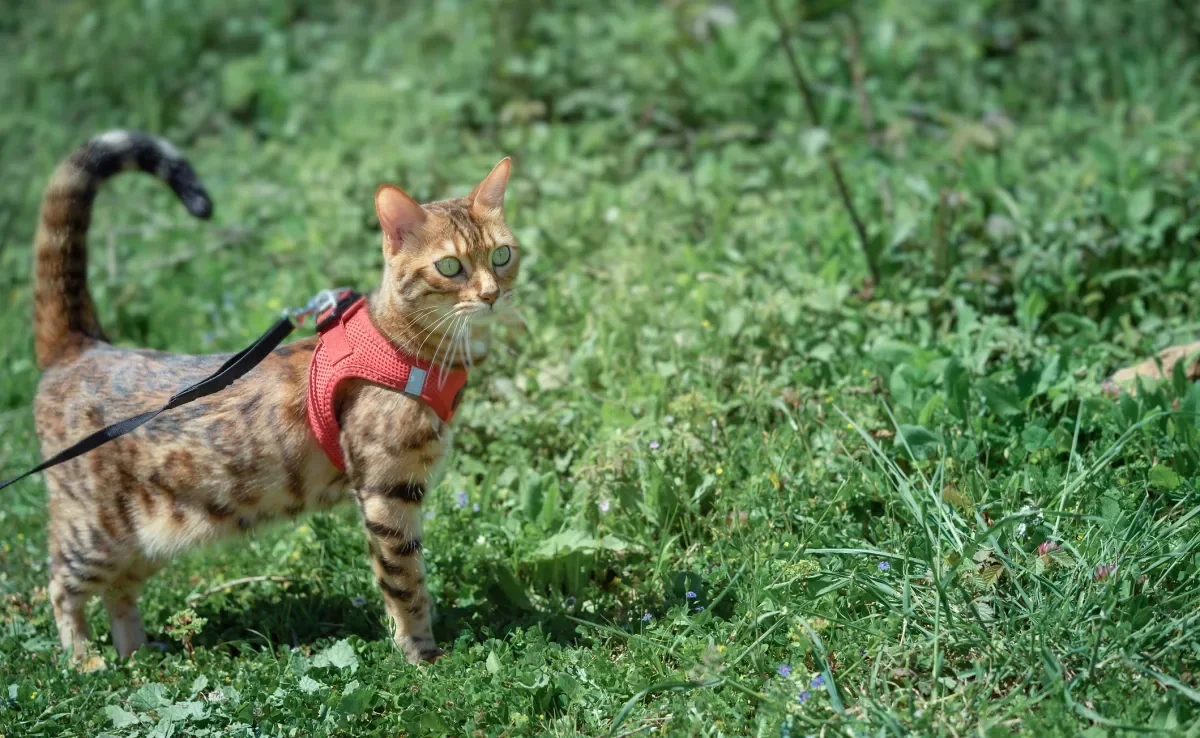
400	216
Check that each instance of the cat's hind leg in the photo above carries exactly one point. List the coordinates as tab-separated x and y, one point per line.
120	600
69	599
89	551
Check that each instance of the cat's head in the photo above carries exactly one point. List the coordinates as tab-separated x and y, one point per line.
448	265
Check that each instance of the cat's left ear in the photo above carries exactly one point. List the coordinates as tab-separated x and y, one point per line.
488	196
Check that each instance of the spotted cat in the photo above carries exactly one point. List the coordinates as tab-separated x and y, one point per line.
247	455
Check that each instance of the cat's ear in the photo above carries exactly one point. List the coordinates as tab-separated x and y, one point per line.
488	196
399	215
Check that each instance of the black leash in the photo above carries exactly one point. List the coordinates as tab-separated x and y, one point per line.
232	370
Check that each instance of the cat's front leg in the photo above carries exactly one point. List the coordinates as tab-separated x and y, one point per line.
392	517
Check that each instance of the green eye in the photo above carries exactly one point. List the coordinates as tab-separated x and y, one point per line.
449	267
501	256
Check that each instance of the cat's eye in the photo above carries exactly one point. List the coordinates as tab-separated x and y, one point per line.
501	256
449	267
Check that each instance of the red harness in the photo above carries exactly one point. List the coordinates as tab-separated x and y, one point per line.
351	346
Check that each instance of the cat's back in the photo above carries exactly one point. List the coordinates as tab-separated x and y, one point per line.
103	384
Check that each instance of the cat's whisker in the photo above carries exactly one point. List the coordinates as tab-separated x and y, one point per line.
465	339
521	317
423	312
445	333
430	332
452	347
415	319
450	333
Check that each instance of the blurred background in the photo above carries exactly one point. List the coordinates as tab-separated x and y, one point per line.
699	306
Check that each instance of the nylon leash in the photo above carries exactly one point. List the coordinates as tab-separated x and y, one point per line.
333	301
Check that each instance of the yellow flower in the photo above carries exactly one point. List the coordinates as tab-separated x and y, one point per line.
20	536
720	470
706	324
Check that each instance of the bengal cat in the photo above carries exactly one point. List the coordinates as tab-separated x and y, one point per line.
246	455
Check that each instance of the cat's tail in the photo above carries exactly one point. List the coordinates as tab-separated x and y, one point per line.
64	317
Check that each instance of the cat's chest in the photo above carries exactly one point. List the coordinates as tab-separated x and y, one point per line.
395	437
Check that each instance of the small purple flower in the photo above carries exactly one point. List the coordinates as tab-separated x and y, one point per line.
358	601
654	445
461	499
647	618
818	682
803	696
884	566
604	506
475	507
1104	572
691	595
784	671
699	608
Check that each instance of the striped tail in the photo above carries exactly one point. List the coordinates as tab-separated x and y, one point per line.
64	317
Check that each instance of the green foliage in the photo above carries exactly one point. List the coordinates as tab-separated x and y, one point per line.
185	625
712	447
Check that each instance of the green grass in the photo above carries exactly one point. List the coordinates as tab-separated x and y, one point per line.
709	398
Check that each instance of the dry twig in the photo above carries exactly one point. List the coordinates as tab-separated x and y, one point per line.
236	583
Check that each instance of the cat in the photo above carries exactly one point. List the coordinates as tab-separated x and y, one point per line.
246	455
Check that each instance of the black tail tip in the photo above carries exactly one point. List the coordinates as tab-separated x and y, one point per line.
197	203
183	180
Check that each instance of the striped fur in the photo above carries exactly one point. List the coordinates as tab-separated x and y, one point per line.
64	317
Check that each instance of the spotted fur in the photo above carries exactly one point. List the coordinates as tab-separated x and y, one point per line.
245	456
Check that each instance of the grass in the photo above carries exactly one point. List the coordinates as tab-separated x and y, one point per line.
912	489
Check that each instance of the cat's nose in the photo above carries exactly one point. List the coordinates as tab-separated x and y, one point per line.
489	296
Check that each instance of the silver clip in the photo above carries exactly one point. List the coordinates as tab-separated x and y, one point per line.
320	302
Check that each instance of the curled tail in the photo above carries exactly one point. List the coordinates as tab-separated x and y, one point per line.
64	317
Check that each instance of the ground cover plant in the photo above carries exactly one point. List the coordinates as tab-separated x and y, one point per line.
747	471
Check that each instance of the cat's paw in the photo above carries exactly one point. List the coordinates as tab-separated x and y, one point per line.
90	664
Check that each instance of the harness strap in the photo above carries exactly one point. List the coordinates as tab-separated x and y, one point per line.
351	347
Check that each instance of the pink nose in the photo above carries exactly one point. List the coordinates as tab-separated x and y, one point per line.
490	296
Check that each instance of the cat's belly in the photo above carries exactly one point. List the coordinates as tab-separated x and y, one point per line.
226	500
